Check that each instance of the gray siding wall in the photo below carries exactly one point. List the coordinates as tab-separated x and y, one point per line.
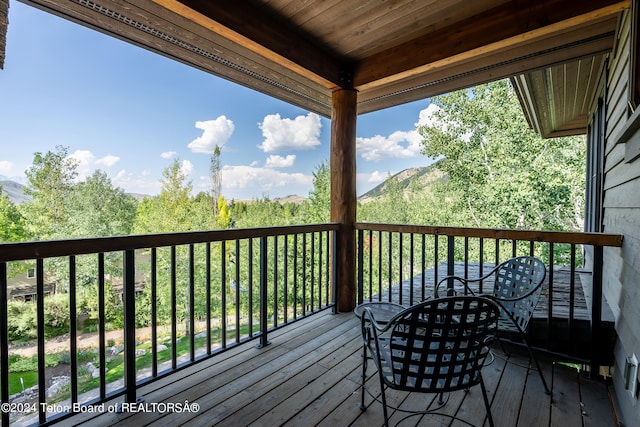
622	216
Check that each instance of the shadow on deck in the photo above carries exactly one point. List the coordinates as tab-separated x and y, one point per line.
310	375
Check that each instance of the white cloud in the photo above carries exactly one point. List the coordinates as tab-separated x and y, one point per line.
88	163
275	161
426	116
366	181
108	161
186	168
377	177
168	154
399	144
262	180
215	132
301	133
136	184
6	168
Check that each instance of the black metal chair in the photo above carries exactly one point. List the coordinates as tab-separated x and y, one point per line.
437	346
517	287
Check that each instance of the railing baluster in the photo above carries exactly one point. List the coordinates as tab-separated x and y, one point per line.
295	276
223	293
327	272
389	263
400	259
312	272
466	258
275	281
481	266
436	258
334	275
285	256
572	297
596	310
423	267
154	313
360	269
102	327
263	293
379	265
304	274
192	303
129	326
250	287
42	380
411	272
4	343
319	270
450	263
207	280
73	330
550	295
237	295
174	326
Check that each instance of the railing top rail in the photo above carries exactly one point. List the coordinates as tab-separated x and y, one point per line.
599	239
58	248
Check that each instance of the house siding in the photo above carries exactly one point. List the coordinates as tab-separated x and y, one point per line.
621	269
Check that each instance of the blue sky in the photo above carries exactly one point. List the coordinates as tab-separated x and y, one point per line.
129	112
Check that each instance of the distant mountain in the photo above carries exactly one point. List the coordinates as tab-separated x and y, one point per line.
426	175
293	198
15	191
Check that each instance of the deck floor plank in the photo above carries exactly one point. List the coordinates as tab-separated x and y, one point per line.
310	375
596	403
565	404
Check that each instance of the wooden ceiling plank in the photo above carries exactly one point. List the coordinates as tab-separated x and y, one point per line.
376	22
411	21
465	75
251	28
502	27
533	56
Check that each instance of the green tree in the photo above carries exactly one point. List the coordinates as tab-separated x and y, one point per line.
95	208
500	173
51	178
171	210
12	226
317	209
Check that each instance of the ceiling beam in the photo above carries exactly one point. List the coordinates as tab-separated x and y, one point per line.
503	27
265	35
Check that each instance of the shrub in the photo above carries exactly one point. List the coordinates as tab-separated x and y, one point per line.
56	315
21	321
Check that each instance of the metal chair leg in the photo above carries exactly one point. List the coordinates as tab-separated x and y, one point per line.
486	401
535	360
364	377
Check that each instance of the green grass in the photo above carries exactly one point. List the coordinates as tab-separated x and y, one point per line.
115	367
30	379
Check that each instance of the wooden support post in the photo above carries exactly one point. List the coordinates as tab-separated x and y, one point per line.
343	193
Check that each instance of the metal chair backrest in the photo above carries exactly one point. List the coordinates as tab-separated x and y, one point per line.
439	345
518	286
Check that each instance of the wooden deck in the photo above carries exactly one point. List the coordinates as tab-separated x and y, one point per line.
561	284
310	373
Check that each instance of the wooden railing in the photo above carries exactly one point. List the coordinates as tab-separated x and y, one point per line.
400	263
216	289
211	289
